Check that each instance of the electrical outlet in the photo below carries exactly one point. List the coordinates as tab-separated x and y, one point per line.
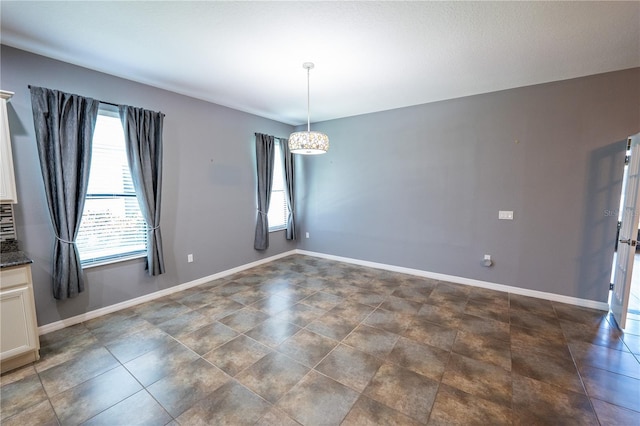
190	258
505	214
306	235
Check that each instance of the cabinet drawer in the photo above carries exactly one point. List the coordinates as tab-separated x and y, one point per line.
16	322
10	277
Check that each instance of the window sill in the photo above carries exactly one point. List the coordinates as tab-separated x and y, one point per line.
97	263
278	228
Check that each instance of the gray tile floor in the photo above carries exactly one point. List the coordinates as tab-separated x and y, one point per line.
309	341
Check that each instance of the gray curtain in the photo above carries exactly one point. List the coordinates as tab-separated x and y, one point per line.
264	168
143	139
289	188
64	126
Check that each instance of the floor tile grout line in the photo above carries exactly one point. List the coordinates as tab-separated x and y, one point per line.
582	381
48	398
450	352
145	388
80	384
313	369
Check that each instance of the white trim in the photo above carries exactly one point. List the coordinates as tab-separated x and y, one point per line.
5	94
109	261
48	328
603	306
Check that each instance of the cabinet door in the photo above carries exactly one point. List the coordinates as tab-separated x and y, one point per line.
16	323
7	179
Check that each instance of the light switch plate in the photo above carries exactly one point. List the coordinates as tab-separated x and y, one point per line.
505	214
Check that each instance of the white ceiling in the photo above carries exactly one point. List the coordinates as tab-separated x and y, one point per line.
369	56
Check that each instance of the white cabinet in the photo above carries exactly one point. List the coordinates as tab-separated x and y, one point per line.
7	179
19	342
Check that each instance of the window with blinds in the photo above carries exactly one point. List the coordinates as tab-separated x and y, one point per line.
112	226
278	211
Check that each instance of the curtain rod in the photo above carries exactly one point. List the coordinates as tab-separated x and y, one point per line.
102	102
275	137
108	103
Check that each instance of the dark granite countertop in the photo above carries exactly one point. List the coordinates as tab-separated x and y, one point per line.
11	256
8	245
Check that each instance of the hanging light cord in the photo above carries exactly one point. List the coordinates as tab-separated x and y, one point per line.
308	103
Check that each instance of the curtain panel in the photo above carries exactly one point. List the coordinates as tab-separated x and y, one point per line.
264	170
289	188
143	139
64	125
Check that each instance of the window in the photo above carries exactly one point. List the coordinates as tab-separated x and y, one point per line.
112	226
278	211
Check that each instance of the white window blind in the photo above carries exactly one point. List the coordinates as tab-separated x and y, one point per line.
112	226
278	211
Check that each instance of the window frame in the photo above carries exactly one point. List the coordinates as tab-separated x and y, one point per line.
277	153
112	111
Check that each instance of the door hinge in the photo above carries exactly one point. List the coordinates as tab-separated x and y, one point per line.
610	286
627	158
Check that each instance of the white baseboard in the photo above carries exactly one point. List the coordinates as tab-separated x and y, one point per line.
48	328
603	306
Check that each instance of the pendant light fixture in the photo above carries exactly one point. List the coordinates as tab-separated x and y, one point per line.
308	143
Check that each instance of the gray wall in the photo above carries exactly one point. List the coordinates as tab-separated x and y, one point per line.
208	193
420	187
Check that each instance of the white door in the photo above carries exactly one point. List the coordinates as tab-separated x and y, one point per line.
628	237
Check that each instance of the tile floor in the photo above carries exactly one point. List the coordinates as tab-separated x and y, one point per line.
309	341
633	312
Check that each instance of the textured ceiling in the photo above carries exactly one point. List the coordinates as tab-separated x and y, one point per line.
369	56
